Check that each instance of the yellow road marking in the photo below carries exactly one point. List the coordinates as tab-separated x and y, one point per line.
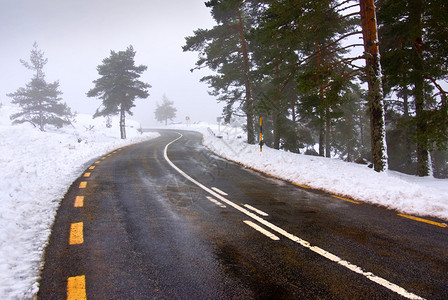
79	201
76	288
423	220
83	184
91	167
98	161
76	233
87	174
346	199
109	155
103	157
301	185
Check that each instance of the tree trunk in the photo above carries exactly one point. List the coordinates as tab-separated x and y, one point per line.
327	131
408	156
323	132
422	142
276	100
350	144
362	135
321	136
415	18
276	126
276	108
375	93
293	110
249	105
122	123
41	116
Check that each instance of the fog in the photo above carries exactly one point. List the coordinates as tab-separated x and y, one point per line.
76	35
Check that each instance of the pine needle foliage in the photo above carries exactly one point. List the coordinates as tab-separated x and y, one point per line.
118	86
40	102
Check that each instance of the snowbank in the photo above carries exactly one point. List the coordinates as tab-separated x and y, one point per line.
404	193
37	169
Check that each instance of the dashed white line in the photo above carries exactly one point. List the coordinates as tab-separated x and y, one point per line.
261	213
215	202
381	281
262	230
219	191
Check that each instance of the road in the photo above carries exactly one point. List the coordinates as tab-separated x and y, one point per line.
167	219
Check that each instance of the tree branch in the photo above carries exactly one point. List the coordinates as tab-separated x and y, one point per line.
328	46
348	7
342	3
441	90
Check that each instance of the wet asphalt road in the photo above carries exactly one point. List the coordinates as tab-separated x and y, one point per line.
151	233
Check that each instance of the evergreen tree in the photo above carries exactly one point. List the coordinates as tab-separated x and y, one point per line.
118	86
413	35
400	150
166	111
225	50
375	85
351	135
39	101
298	41
275	60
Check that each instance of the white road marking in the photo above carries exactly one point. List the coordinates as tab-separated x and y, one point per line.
261	213
219	191
262	230
215	202
381	281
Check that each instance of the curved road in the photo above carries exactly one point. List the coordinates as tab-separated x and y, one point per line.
167	219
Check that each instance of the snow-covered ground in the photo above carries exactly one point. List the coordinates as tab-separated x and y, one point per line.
407	194
37	169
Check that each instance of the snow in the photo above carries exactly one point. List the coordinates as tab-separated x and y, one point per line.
37	169
427	196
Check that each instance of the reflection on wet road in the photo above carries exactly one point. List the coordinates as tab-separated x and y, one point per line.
168	219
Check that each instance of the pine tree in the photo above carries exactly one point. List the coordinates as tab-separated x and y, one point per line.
275	62
298	41
413	36
350	126
39	101
225	50
119	86
375	85
165	111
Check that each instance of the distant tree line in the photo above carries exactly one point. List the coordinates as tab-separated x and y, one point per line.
289	62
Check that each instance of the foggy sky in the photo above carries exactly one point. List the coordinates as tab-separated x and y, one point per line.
76	35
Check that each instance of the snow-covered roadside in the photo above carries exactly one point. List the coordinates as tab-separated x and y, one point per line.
404	193
37	169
